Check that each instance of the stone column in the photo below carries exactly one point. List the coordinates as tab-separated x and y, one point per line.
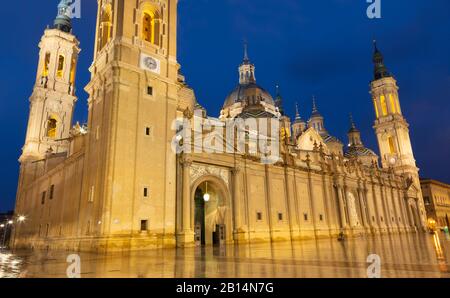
342	212
364	193
238	229
362	208
186	235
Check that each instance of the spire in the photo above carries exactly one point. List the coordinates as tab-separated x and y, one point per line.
297	113
298	118
352	122
246	69
279	100
380	70
63	19
246	59
314	104
354	135
315	111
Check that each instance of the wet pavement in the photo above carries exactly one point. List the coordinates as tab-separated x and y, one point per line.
407	255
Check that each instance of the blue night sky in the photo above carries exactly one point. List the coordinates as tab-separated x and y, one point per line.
307	46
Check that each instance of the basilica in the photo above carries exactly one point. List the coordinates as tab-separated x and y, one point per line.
117	183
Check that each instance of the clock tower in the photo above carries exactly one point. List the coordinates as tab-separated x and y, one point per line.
130	179
392	131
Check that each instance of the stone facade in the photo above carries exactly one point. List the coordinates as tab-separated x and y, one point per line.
436	196
117	184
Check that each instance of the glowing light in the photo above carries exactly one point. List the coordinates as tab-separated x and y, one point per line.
2	226
206	196
10	222
21	218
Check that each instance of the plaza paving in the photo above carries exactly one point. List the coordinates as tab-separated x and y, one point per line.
411	255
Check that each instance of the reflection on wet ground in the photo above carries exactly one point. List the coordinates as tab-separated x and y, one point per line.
408	255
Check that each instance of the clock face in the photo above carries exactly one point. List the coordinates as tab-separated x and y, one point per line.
150	63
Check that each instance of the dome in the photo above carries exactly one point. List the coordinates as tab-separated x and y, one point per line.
249	94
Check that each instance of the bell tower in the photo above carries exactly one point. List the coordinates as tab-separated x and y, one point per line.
133	100
53	98
392	129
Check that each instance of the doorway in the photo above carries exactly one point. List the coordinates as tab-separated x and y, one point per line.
209	215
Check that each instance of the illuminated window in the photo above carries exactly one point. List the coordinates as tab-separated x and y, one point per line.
91	194
376	108
151	27
392	100
383	105
46	64
60	71
105	26
392	145
52	124
398	106
72	71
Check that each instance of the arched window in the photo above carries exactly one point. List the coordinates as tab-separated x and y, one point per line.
391	145
60	70
376	108
392	100
46	65
72	71
52	124
105	26
383	105
151	27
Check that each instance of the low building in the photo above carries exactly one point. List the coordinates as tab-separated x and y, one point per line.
436	196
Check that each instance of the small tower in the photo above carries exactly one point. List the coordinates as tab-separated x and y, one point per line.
246	69
279	100
316	121
392	131
299	125
354	135
356	148
285	121
53	98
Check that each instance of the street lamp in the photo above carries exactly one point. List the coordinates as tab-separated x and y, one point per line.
21	218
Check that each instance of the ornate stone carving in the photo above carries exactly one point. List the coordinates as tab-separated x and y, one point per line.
198	171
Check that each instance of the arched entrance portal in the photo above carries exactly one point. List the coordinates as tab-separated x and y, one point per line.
212	222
